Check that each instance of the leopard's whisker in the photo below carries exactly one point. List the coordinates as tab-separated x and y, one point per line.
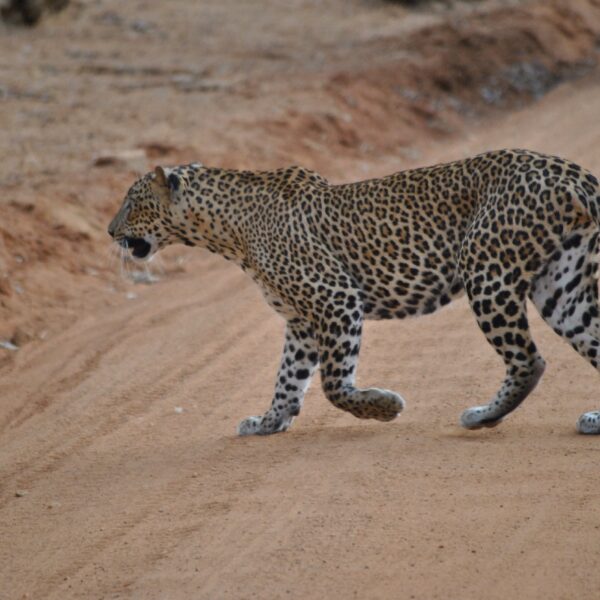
124	266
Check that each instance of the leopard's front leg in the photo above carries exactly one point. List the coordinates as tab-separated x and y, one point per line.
298	363
339	337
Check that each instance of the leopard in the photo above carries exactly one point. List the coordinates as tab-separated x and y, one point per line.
505	227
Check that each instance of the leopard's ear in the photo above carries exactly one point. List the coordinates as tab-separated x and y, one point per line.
160	177
167	182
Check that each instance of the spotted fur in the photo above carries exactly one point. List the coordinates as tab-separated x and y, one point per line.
502	226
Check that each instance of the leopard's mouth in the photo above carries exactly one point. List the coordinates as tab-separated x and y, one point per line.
139	247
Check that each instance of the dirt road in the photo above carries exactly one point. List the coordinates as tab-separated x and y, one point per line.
120	472
119	441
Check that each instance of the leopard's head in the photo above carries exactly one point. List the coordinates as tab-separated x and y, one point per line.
144	223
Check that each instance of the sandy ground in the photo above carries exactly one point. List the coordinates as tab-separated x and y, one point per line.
121	476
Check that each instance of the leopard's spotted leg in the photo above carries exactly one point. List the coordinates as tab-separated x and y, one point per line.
298	364
566	294
503	320
339	335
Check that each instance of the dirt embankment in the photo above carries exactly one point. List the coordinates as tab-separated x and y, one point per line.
464	68
373	89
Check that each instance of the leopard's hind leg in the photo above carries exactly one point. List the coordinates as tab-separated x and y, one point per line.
497	283
566	295
503	319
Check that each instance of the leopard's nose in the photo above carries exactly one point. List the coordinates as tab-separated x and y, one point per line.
111	230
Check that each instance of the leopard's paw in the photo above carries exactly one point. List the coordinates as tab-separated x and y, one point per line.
589	423
478	417
264	425
373	403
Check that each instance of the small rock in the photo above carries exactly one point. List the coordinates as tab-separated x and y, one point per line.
178	410
21	493
141	26
8	345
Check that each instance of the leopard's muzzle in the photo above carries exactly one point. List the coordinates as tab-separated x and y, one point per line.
140	248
